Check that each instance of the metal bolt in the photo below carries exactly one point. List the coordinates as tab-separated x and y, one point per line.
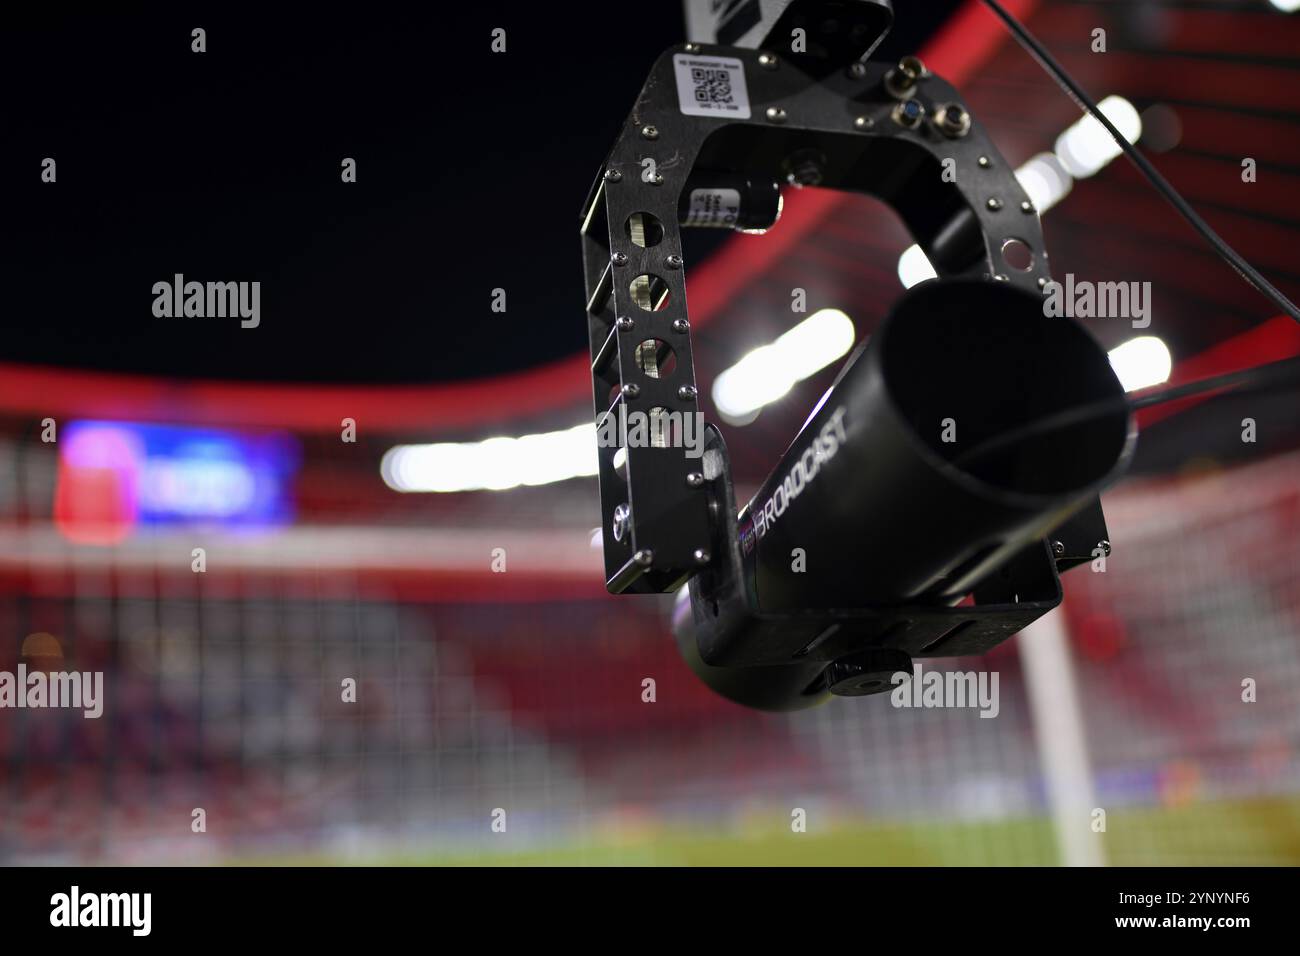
1026	207
694	479
650	132
1042	282
631	390
613	176
1105	547
1058	548
857	70
673	262
619	258
701	556
645	557
994	203
768	61
625	323
687	393
863	122
692	48
657	179
775	114
985	162
622	521
901	81
681	325
952	120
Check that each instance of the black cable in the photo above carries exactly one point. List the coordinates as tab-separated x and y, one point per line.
1255	378
1259	378
1057	72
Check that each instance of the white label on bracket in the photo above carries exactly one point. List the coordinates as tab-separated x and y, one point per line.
718	208
711	86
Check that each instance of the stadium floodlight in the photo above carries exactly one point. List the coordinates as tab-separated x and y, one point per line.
770	371
1141	362
495	464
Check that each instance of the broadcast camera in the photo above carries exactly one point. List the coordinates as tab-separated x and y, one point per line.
932	517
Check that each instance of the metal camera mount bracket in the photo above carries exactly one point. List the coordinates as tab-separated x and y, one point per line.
893	131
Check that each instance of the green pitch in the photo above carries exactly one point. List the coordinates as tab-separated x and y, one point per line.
1247	833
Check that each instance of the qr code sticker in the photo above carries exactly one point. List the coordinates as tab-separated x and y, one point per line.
711	86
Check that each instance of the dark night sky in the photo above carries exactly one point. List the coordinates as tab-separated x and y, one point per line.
224	166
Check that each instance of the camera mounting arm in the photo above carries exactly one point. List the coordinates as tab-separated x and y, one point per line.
712	133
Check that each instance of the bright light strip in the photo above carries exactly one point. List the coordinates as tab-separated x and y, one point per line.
1086	147
498	464
495	464
770	371
1046	181
1141	362
914	267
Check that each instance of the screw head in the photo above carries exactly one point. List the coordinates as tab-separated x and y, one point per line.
768	61
694	479
673	262
613	176
994	203
857	70
1042	282
681	325
687	393
776	114
625	323
1105	547
619	258
985	162
622	521
701	556
650	132
863	122
1026	207
657	179
1058	548
631	390
645	557
692	48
